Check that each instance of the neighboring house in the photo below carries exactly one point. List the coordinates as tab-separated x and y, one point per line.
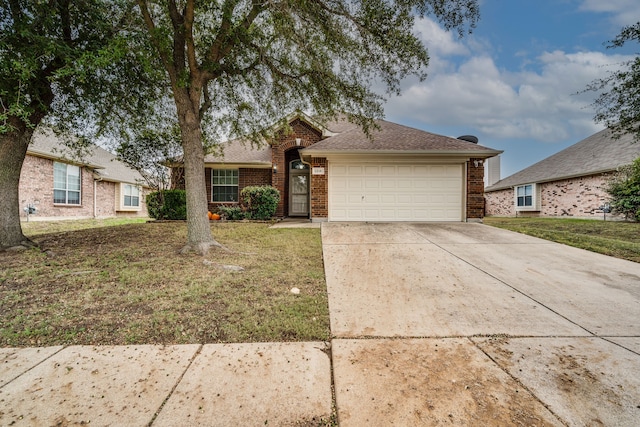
60	187
569	183
335	173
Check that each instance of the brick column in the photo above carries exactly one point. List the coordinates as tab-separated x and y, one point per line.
475	189
319	190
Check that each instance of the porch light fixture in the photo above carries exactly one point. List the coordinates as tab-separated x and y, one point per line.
275	169
298	141
477	162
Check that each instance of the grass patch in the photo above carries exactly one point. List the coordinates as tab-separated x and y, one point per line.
614	238
35	228
126	284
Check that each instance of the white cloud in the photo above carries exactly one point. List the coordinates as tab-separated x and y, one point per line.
440	42
543	105
624	12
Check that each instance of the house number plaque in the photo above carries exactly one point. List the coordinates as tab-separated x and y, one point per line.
317	171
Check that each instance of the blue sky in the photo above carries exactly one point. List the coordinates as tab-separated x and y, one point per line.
514	82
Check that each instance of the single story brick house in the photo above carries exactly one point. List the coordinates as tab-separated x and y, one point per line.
335	173
60	187
569	183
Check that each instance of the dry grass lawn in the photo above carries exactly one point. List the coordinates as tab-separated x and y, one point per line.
127	284
614	238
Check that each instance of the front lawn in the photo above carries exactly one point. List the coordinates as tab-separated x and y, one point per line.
614	238
127	284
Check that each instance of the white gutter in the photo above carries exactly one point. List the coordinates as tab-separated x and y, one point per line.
431	153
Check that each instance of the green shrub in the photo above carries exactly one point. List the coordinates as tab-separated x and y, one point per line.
167	204
624	190
231	213
260	201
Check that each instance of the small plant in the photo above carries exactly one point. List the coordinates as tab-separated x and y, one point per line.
260	201
167	204
231	213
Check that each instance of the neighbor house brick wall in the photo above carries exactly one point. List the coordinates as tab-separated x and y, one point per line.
475	189
106	199
36	188
320	190
575	197
500	203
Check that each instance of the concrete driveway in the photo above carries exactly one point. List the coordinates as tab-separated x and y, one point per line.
466	324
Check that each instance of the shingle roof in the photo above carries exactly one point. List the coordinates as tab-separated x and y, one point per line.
105	164
241	152
596	154
393	137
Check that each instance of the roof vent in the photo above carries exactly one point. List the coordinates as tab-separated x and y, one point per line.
469	138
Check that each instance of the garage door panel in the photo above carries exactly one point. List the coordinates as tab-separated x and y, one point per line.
339	170
355	183
390	192
387	171
387	198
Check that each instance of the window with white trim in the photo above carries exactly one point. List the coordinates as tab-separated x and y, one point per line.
526	197
224	185
66	184
131	196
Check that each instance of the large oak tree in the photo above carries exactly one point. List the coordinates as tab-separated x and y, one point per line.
234	66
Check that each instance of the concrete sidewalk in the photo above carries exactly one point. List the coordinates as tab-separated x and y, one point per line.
184	385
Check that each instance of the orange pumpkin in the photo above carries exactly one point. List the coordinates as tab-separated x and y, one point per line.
209	215
215	217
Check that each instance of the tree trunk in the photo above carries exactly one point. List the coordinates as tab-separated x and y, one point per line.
13	150
199	238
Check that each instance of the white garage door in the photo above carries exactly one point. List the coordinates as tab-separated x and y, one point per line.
395	192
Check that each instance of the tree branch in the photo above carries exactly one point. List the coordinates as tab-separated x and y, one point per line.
227	37
164	57
177	21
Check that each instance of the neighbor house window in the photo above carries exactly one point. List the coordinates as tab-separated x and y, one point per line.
66	184
224	185
131	196
526	197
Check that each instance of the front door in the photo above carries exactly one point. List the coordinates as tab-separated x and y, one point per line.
298	188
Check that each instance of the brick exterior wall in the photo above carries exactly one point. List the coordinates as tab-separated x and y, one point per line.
282	144
500	203
36	188
246	178
576	197
475	189
320	190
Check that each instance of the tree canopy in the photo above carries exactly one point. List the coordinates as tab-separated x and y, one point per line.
236	66
618	106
